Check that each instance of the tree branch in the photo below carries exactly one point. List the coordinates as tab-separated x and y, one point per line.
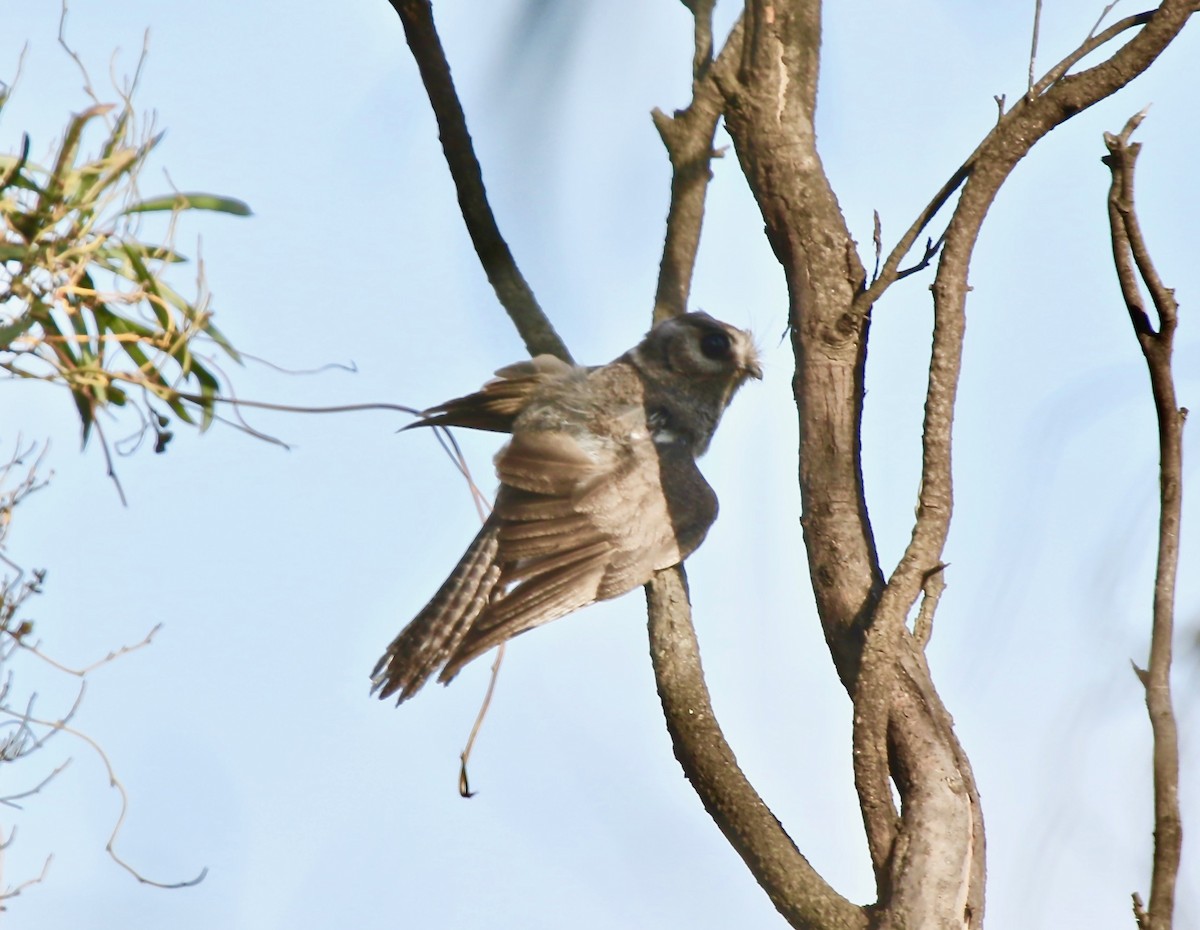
1017	132
890	272
498	262
795	888
770	104
1133	262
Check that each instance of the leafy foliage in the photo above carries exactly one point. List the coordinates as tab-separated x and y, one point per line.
83	301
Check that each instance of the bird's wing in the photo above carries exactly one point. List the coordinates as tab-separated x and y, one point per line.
581	519
497	403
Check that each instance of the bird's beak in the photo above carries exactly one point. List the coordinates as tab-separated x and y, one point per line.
752	369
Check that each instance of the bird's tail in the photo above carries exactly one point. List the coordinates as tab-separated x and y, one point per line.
428	641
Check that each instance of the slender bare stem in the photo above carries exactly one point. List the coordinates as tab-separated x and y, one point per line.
688	137
1134	265
1033	47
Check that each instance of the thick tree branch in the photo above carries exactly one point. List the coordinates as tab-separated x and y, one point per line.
770	105
795	888
498	262
1133	262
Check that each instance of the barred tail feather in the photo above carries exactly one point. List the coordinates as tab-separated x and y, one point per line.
546	596
435	633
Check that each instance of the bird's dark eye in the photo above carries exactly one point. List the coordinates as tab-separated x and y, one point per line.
715	346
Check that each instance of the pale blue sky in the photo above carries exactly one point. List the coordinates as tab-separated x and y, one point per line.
245	736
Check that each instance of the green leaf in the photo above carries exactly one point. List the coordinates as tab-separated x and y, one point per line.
97	176
206	416
117	136
156	253
65	163
150	283
14	252
120	325
83	404
219	338
170	202
12	166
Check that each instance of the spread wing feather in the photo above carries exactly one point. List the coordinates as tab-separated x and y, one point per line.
495	406
599	534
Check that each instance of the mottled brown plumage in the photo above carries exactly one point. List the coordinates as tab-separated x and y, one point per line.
598	489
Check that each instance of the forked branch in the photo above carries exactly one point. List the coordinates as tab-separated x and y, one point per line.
688	137
890	272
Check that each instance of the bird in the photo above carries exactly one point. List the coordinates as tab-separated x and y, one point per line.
599	489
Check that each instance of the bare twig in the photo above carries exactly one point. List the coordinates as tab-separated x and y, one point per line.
890	273
15	890
877	242
1089	45
112	656
1037	26
931	250
1134	264
291	408
498	262
62	41
61	725
935	584
108	463
449	444
9	799
1108	8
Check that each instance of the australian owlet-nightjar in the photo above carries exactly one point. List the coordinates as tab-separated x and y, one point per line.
599	489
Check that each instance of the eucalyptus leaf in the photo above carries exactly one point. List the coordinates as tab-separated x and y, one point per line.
171	202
